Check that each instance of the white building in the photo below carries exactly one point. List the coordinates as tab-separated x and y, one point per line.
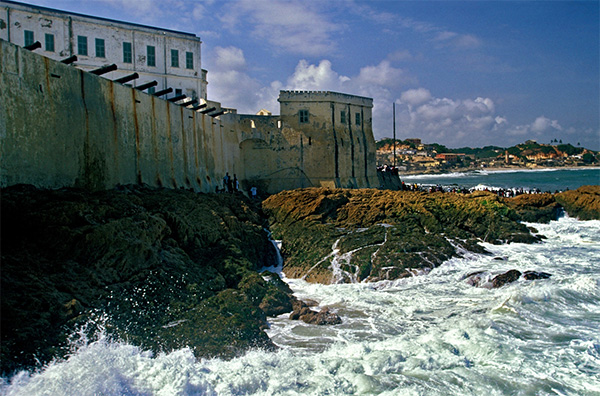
171	58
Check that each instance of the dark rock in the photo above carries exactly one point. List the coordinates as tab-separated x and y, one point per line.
324	317
532	275
168	268
475	278
505	278
73	309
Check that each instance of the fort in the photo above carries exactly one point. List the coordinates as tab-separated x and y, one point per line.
65	126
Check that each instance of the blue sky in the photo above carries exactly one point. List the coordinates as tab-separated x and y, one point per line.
462	73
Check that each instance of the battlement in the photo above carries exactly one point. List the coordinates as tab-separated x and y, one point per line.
324	96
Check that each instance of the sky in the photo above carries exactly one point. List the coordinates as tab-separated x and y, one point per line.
461	73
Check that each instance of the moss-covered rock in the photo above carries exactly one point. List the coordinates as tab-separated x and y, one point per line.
355	235
166	266
583	203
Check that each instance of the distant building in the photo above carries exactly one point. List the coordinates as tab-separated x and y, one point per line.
170	57
448	157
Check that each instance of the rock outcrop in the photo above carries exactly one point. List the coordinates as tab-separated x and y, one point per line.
167	268
355	235
534	208
490	281
583	203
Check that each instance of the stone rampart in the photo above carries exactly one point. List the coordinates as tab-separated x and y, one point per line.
64	127
61	126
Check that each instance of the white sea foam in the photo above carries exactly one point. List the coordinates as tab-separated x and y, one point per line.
426	335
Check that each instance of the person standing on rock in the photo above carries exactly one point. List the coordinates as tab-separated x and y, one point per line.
253	192
230	185
236	184
226	182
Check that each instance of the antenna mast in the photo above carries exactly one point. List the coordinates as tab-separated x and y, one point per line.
394	107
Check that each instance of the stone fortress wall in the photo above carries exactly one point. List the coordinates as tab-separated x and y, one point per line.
323	147
61	126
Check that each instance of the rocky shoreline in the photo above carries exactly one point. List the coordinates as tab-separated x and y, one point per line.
165	269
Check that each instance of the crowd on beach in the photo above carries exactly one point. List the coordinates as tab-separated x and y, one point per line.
501	192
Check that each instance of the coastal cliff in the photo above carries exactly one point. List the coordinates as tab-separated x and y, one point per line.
165	269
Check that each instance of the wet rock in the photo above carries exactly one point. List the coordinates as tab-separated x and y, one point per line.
355	235
486	280
475	278
505	278
583	203
533	275
534	208
168	268
73	309
324	317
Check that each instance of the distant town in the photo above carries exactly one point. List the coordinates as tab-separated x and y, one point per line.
413	156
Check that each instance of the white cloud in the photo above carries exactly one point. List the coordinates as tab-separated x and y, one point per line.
542	123
382	74
536	129
229	82
467	41
319	77
291	26
415	97
230	58
400	56
453	122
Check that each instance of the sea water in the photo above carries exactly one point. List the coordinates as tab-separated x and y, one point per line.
433	334
549	179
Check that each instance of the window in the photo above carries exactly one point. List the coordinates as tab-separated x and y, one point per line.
49	42
28	38
82	48
343	117
357	118
178	91
100	48
189	60
303	114
151	90
151	55
127	53
174	58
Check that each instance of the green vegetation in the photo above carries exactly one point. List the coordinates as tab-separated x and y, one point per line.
528	148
